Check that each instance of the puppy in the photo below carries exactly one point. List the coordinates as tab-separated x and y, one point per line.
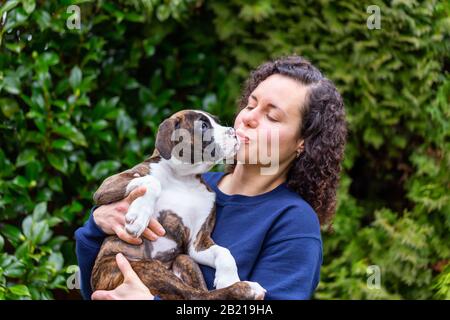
188	144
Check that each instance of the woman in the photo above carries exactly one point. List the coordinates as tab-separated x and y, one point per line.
269	222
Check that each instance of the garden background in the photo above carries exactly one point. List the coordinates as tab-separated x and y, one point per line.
77	105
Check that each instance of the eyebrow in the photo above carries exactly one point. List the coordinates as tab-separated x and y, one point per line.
270	105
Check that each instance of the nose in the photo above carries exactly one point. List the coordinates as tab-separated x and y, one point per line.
250	119
230	131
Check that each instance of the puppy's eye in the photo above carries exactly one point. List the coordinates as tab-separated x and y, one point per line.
177	124
204	126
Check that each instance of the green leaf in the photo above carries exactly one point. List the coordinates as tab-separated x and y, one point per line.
21	181
39	211
26	157
75	77
9	107
11	84
104	168
124	123
11	233
58	161
9	5
56	242
55	183
15	47
73	134
29	5
62	144
50	58
40	232
20	290
163	12
53	221
43	19
23	251
56	260
27	224
2	242
15	270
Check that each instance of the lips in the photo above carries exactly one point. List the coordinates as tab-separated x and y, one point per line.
244	138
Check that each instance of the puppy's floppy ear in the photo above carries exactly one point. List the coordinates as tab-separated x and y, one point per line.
164	143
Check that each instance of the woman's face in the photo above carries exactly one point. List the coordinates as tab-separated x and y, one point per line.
270	124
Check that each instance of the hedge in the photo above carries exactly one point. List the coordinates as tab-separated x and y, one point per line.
80	104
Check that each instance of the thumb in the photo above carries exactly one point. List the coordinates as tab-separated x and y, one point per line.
126	269
102	295
136	193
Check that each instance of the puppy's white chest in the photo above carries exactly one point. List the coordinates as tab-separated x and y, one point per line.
191	202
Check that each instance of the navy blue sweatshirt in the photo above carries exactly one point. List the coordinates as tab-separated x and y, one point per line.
274	238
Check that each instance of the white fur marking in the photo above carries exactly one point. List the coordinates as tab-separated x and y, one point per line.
221	259
163	244
142	209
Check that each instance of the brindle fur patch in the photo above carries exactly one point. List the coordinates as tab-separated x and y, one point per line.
114	188
189	272
203	239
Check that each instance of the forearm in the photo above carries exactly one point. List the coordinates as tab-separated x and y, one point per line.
89	239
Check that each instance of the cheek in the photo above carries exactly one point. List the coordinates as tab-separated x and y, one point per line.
283	142
237	121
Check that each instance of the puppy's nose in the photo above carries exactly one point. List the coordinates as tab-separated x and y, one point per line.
230	131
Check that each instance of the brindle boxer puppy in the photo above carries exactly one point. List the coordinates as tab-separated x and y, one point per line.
178	198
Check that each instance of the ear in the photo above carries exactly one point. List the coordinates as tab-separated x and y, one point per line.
301	145
164	143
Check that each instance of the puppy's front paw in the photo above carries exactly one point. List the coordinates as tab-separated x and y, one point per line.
137	226
137	218
256	291
131	216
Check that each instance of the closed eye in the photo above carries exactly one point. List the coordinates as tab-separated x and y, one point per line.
271	119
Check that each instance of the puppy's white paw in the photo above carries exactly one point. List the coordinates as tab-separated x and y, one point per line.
131	216
137	226
258	292
138	217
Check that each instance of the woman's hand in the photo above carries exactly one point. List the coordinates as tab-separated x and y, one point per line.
111	219
132	287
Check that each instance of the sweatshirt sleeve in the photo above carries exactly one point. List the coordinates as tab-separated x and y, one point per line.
289	269
89	239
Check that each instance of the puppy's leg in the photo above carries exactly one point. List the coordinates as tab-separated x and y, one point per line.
142	209
204	251
114	188
185	268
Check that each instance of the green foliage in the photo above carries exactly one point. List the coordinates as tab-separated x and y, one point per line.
78	105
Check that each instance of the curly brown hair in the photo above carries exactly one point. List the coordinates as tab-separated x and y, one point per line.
314	175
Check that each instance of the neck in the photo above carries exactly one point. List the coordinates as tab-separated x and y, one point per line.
247	180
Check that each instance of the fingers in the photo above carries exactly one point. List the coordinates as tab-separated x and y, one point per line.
126	269
103	295
154	230
149	234
119	230
156	227
136	193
